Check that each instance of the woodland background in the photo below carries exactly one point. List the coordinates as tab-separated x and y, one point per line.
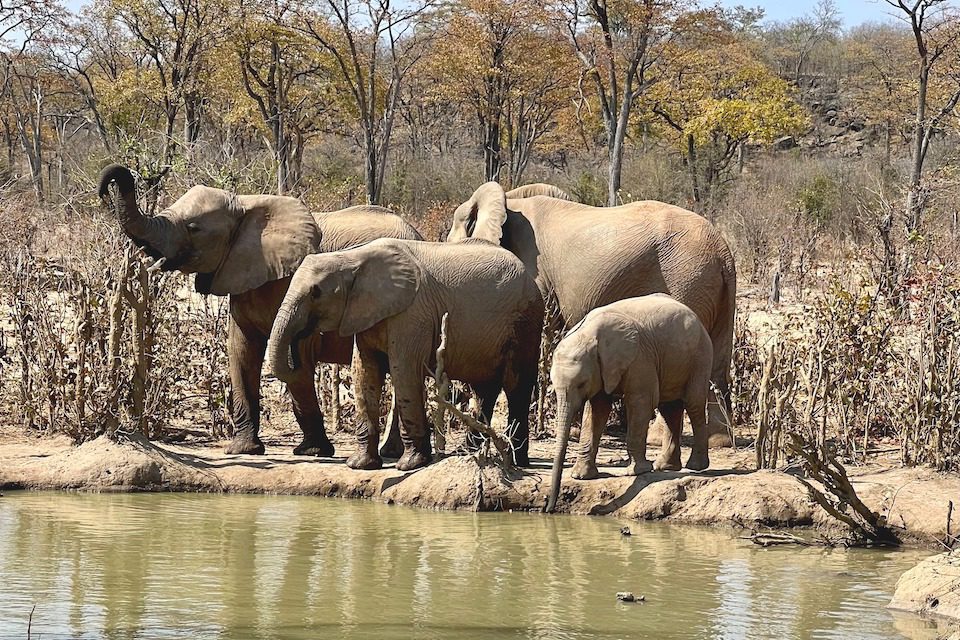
827	155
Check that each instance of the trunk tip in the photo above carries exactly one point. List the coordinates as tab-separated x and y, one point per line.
115	173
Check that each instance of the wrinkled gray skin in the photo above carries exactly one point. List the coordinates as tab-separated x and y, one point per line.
652	351
585	257
392	294
247	247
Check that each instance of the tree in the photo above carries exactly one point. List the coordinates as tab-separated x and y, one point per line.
619	46
716	97
793	43
498	58
936	33
374	45
277	67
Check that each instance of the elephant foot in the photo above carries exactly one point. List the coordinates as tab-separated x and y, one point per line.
248	444
391	449
413	459
720	439
664	464
638	467
363	460
584	470
698	461
322	448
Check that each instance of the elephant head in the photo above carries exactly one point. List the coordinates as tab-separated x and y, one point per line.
483	215
344	291
587	362
233	243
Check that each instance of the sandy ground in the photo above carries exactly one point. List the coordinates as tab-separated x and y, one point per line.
730	493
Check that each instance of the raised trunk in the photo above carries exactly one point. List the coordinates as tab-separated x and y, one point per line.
564	420
152	233
290	320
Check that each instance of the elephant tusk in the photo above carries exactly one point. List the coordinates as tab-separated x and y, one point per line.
156	265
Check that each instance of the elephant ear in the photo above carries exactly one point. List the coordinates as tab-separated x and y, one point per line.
385	282
273	237
616	349
485	212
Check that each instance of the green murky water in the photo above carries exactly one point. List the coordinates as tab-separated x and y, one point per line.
237	567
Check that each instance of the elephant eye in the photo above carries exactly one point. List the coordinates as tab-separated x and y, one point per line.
315	291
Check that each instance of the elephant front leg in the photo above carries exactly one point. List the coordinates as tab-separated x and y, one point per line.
245	354
368	376
595	417
408	385
306	408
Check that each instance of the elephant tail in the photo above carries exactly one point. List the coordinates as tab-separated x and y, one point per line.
721	334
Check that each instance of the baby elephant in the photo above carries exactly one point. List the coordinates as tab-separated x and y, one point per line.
654	352
392	294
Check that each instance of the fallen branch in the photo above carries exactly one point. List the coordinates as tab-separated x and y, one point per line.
769	539
821	464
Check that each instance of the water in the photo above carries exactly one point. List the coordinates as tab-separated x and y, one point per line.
238	567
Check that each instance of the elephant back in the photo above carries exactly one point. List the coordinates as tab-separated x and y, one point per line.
359	225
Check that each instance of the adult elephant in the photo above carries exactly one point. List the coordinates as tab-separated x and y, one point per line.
247	247
586	257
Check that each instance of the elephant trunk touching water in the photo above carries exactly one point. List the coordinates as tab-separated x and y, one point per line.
565	418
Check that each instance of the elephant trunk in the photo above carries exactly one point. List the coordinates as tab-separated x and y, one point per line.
290	322
151	233
564	423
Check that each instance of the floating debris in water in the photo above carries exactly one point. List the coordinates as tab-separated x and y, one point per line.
625	531
626	596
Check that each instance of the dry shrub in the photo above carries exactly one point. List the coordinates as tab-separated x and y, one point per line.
95	341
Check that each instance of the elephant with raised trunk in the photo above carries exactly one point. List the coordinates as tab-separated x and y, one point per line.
585	257
247	247
654	353
393	295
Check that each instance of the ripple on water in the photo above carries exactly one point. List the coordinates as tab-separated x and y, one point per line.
226	567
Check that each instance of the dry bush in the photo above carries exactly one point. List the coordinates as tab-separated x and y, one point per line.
95	341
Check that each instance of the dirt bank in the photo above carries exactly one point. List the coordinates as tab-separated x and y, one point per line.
932	588
728	494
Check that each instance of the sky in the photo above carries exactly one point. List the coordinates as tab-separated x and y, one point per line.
853	12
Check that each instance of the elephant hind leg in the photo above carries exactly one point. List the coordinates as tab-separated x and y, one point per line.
595	415
519	398
669	458
368	375
245	351
696	405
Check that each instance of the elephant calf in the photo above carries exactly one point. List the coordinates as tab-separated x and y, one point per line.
653	351
392	294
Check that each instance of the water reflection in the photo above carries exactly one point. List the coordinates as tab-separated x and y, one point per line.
194	566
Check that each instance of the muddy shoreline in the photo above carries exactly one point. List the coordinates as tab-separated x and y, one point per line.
728	494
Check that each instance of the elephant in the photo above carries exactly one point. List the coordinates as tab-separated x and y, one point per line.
537	189
393	294
655	353
247	247
585	257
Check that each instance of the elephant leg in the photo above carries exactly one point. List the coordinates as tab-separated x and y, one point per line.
639	409
393	444
518	419
595	417
245	352
487	395
306	407
368	376
669	458
696	404
407	378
